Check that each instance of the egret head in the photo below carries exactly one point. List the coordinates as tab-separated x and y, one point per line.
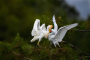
49	27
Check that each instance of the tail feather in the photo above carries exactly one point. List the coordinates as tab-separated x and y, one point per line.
34	39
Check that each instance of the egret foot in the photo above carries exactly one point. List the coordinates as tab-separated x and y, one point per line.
38	44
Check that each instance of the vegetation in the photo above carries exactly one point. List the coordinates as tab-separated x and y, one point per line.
16	22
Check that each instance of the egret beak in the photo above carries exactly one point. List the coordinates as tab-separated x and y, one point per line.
50	28
50	31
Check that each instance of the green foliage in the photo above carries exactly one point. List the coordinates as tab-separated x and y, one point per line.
86	25
19	47
18	41
5	50
27	50
5	47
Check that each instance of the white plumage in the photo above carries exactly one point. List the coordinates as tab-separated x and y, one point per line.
36	27
57	35
39	31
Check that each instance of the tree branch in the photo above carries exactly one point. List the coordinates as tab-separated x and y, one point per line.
17	54
81	30
76	48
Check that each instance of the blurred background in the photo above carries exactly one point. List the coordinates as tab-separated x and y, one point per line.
17	18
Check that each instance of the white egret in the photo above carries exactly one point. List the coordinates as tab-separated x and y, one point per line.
40	31
57	35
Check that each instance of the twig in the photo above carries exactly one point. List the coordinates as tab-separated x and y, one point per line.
76	48
81	58
27	58
20	55
82	30
15	53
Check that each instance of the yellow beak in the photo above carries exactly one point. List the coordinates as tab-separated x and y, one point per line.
50	30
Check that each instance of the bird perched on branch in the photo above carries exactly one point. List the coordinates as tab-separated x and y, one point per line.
40	31
57	35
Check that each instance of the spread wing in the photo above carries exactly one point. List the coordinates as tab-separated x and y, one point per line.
62	31
42	27
36	27
55	24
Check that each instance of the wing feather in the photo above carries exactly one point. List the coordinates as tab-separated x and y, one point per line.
62	31
55	24
42	27
36	27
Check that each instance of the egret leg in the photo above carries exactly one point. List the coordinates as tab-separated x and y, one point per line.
38	43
